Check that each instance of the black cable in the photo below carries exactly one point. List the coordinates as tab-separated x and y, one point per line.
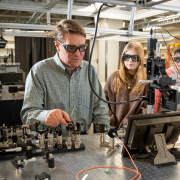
12	109
167	47
170	34
89	69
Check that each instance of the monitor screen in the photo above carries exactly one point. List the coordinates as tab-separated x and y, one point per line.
6	78
142	128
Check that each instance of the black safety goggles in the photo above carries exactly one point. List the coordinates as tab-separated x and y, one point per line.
72	49
135	58
177	59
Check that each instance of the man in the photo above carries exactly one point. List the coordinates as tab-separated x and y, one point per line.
55	85
174	73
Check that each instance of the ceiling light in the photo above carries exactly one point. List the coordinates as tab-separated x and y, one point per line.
90	8
174	15
165	18
156	19
8	29
120	6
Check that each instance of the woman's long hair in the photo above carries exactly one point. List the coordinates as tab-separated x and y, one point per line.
122	77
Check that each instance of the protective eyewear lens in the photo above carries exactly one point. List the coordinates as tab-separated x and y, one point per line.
72	49
135	58
177	59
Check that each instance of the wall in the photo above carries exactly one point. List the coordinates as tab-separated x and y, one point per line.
112	50
113	56
95	55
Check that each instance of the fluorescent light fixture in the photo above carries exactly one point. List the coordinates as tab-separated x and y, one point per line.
8	29
148	29
90	8
156	0
174	15
156	19
120	6
165	19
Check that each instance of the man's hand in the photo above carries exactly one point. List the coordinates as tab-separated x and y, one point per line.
56	117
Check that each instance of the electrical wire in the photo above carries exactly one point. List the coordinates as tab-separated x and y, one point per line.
12	109
138	175
89	68
89	110
170	34
167	47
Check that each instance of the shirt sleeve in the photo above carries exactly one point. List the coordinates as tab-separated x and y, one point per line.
100	107
33	106
158	96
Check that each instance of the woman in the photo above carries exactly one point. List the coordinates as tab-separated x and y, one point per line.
123	85
174	73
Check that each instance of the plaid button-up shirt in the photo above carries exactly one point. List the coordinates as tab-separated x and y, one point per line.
49	85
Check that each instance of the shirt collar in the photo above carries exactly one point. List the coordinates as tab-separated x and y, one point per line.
59	63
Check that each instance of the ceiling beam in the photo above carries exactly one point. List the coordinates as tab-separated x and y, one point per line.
173	7
153	3
131	23
30	19
69	12
87	30
52	4
5	12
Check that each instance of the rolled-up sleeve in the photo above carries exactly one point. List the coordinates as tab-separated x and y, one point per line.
33	106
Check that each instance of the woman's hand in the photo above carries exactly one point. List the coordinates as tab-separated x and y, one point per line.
144	111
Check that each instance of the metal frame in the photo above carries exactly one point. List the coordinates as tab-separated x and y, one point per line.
69	13
106	60
52	4
87	30
131	23
48	18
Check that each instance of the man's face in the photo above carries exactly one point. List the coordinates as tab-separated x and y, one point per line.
177	63
71	60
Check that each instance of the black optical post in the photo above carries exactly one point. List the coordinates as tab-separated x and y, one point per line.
157	77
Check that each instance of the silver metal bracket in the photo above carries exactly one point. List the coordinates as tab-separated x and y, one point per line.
163	156
111	149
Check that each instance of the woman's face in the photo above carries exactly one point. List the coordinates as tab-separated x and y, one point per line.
177	63
131	65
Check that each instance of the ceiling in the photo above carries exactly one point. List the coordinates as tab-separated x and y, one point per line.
18	16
